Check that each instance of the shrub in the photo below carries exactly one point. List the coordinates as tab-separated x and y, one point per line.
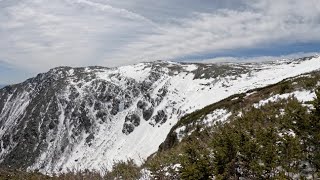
126	170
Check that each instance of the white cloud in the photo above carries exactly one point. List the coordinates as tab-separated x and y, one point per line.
262	23
41	34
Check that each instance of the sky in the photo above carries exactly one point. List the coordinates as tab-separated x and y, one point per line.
36	35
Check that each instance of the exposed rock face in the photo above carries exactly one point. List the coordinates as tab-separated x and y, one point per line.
131	121
85	118
161	117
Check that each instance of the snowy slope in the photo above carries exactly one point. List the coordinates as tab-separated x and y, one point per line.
87	118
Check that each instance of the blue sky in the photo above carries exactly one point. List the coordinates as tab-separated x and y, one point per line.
37	35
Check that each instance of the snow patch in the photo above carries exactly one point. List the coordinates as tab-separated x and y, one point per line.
138	72
220	115
180	132
190	67
302	96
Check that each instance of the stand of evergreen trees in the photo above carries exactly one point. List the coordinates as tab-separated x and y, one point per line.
280	140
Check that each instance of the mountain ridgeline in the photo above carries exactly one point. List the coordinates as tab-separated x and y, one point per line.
265	133
88	118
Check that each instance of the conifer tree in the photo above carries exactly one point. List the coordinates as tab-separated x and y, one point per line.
315	132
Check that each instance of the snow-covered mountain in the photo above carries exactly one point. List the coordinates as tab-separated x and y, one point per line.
87	118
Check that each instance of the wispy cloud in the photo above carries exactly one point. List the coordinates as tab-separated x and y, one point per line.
260	24
41	34
120	11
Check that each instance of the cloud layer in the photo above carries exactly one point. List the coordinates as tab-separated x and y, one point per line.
40	34
261	24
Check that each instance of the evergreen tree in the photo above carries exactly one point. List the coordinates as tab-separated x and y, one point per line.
315	133
196	163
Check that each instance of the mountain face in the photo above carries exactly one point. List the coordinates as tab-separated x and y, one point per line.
264	133
87	118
